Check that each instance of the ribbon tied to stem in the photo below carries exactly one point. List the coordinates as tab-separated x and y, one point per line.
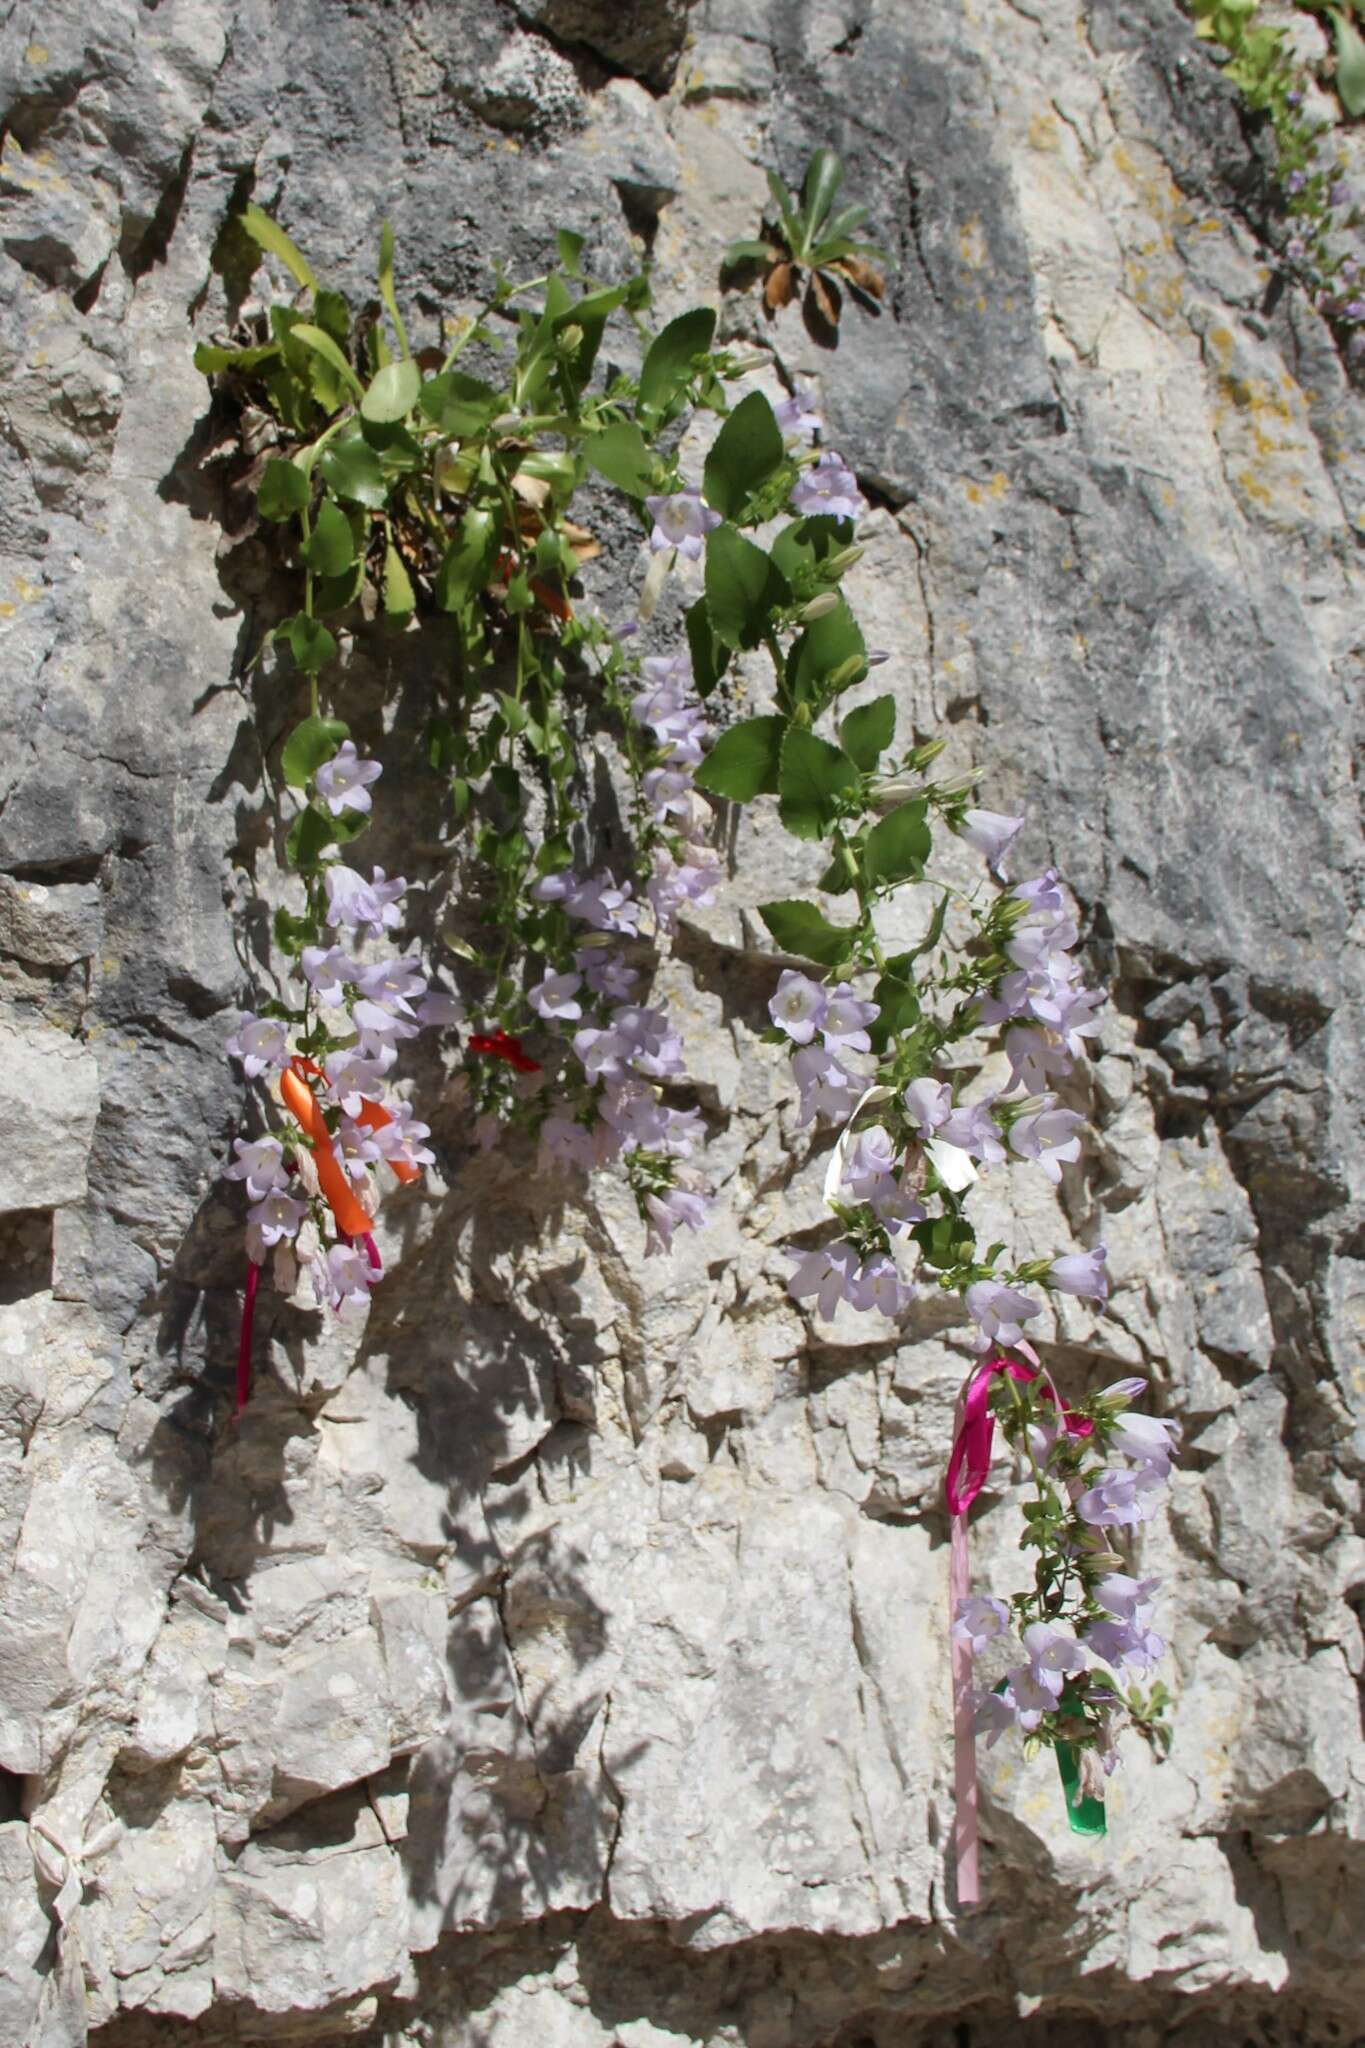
969	1462
352	1221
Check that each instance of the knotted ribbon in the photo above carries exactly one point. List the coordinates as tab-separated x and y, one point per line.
352	1220
969	1462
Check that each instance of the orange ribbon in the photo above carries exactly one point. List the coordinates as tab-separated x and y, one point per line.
373	1115
302	1104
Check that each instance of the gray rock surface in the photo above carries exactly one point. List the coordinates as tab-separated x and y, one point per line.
560	1659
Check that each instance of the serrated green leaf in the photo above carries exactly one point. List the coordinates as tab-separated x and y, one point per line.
831	644
457	404
268	235
670	357
311	833
353	470
745	760
745	453
330	548
800	928
332	314
335	593
744	587
386	292
814	775
710	656
1350	73
898	845
311	645
619	453
392	393
867	732
283	490
322	344
308	746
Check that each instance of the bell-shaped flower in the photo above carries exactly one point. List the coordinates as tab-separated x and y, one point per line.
999	1312
1034	1060
879	1285
260	1163
259	1043
1048	1137
327	970
1054	1655
991	833
1081	1273
1150	1440
1120	1498
830	487
343	782
827	1088
681	521
980	1618
845	1021
349	1274
667	1210
277	1216
556	996
929	1103
828	1275
798	1007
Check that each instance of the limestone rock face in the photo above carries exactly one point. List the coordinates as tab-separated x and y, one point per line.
559	1662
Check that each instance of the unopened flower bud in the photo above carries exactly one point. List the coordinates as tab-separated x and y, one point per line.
929	752
845	559
846	673
819	607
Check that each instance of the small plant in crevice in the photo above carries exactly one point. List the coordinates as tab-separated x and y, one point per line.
429	490
810	238
1321	249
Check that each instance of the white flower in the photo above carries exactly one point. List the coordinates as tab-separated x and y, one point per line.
798	1008
259	1042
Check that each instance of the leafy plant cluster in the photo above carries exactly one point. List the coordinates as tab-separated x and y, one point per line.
1322	245
437	489
811	237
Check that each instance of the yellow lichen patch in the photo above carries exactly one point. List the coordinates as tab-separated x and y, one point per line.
971	244
1221	341
25	590
1042	130
36	53
7	610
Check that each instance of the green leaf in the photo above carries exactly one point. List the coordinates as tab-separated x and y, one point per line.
824	174
334	593
1350	77
801	928
832	643
392	393
211	360
746	451
354	471
332	314
813	777
468	559
898	1002
386	290
710	656
744	587
308	746
808	543
329	548
748	252
570	247
322	344
311	645
268	236
311	833
458	405
400	599
898	845
744	760
670	357
620	455
867	732
283	490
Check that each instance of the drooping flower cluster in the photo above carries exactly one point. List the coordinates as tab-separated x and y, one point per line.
313	1183
1086	1626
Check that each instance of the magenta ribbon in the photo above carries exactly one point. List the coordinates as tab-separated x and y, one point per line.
969	1462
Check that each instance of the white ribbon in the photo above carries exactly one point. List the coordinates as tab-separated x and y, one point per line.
834	1172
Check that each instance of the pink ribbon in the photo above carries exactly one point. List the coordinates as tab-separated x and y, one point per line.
969	1462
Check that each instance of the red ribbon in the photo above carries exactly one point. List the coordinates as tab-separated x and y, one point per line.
500	1046
969	1462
